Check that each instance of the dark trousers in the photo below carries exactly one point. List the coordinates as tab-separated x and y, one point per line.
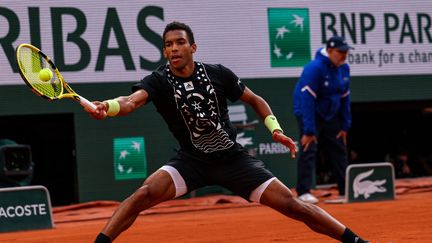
334	151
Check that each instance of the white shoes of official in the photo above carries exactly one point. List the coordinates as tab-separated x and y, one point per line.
309	198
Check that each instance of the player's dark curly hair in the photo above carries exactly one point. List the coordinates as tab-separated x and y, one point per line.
180	26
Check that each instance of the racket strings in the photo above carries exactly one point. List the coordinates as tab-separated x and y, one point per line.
31	63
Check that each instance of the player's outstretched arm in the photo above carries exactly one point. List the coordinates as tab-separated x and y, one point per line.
119	106
262	108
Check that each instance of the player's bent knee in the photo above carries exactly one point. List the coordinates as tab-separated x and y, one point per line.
142	193
147	196
298	209
293	205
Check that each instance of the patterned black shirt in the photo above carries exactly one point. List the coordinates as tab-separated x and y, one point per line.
195	108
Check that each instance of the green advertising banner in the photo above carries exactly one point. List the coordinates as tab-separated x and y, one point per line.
25	208
130	161
121	41
370	182
289	37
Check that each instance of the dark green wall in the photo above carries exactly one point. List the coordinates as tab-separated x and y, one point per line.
391	88
94	138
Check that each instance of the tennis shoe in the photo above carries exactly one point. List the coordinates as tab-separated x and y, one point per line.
309	198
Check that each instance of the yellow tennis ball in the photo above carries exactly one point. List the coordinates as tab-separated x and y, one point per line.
45	74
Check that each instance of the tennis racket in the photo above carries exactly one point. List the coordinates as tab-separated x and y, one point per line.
31	61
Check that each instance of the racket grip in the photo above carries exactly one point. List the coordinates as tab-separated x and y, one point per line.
84	102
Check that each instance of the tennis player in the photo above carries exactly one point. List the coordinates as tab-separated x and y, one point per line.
192	99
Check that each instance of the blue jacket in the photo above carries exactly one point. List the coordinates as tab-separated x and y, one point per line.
323	90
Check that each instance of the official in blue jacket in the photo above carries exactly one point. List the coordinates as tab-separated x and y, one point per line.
322	108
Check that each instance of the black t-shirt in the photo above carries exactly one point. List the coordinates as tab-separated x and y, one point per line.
195	108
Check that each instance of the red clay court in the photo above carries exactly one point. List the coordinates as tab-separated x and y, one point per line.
222	218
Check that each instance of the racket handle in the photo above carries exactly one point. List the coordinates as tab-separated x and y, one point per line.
84	102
